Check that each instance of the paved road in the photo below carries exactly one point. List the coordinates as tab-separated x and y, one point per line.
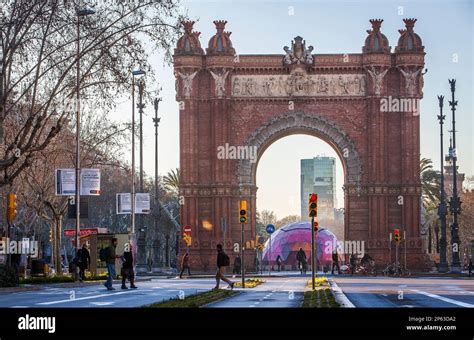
407	292
151	291
286	292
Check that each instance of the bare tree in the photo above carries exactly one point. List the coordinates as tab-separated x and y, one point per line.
37	75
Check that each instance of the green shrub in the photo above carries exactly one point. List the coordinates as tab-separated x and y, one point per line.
8	277
48	279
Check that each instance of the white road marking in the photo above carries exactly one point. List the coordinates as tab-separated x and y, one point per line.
445	299
83	298
19	307
101	303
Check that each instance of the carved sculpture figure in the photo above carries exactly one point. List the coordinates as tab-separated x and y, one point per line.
187	82
377	78
219	79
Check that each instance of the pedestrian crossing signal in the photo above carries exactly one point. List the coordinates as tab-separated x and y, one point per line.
316	225
243	211
313	205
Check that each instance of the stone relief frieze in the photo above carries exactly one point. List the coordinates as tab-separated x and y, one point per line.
299	84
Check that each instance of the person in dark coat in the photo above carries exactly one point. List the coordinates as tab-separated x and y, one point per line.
222	262
185	265
84	261
278	261
237	265
352	262
335	262
301	258
470	268
127	269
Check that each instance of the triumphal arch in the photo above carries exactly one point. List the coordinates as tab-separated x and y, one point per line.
359	103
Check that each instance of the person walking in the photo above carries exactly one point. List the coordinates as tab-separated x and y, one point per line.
222	262
84	261
301	258
278	261
111	256
335	262
352	262
470	267
237	265
185	265
127	269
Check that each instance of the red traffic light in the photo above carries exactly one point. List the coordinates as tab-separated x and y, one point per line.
313	197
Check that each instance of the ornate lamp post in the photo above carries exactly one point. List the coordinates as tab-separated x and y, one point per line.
443	266
156	215
455	202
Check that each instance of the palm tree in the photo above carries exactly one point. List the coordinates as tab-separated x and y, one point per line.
171	180
430	183
430	188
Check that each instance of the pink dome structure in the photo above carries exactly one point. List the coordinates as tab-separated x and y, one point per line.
287	240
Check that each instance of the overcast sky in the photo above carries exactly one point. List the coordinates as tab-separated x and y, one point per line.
264	27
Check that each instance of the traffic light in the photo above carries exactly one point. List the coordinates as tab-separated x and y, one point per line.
316	225
313	205
243	211
396	235
11	207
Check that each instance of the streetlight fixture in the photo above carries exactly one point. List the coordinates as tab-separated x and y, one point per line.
132	228
80	13
442	211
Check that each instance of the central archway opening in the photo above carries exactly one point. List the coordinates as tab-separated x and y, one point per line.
288	170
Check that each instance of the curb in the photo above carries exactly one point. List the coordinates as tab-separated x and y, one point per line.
340	297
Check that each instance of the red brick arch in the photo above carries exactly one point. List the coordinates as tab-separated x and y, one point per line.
226	97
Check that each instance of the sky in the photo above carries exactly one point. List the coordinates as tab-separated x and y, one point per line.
264	27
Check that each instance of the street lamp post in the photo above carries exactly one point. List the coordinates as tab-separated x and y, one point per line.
156	122
132	219
455	202
443	266
80	13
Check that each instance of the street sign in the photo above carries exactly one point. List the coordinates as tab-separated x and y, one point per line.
187	229
124	205
82	232
65	182
270	229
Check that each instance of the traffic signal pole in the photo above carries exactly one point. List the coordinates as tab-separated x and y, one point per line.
242	256
313	280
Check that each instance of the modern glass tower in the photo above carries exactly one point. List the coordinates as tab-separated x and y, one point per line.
318	175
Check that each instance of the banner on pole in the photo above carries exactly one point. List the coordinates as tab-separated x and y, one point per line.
124	203
65	182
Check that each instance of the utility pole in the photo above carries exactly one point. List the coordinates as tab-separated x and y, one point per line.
442	211
455	202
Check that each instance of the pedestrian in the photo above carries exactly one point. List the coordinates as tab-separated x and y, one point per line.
470	267
278	261
237	265
222	262
84	258
185	265
352	262
335	262
301	258
110	257
127	269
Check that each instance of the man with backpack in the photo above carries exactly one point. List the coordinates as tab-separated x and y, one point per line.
109	256
222	261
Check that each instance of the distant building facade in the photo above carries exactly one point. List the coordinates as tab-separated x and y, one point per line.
318	175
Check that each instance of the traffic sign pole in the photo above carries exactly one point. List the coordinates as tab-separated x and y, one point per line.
270	259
